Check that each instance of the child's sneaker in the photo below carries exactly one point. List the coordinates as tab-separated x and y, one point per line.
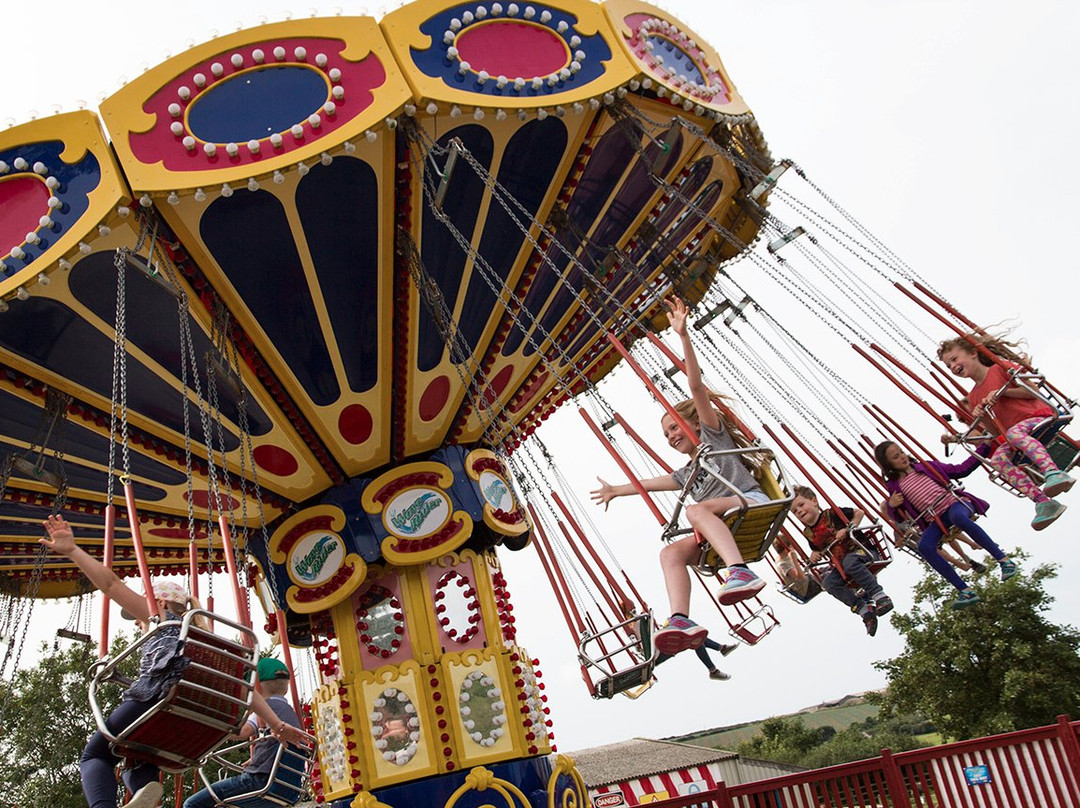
967	597
1008	568
727	649
1057	482
882	604
679	634
870	621
1046	513
146	797
740	585
719	675
978	567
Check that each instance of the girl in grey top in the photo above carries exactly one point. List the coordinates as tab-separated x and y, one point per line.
717	430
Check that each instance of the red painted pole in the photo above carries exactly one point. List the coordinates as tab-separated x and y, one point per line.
645	447
634	481
593	554
935	392
555	577
242	615
140	554
652	388
107	559
286	654
922	403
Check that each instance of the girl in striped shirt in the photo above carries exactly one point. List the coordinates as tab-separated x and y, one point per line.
920	491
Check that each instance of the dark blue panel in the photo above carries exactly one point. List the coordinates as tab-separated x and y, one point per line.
257	103
153	326
442	256
602	173
434	62
22	419
688	186
249	236
676	57
526	171
357	533
76	180
625	286
630	198
339	210
49	334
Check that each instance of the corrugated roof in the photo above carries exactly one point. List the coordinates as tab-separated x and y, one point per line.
641	757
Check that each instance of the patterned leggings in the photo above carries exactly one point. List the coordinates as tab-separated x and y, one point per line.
1018	437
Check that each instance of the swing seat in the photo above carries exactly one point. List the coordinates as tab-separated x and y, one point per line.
813	589
870	542
753	525
198	713
286	782
597	652
755	626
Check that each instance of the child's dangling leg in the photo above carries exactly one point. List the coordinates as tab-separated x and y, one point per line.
706	518
1019	439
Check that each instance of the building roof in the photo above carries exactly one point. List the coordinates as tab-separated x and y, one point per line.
641	757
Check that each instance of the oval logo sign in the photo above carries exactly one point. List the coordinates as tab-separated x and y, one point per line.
608	800
416	513
316	557
496	492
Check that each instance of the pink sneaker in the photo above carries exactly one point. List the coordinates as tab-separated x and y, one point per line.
679	634
740	585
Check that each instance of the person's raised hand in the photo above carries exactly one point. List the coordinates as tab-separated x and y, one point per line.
677	314
59	538
604	494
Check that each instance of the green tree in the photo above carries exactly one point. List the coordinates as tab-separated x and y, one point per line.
47	721
996	667
785	740
789	740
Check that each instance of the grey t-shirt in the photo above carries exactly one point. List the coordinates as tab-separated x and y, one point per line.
728	466
262	758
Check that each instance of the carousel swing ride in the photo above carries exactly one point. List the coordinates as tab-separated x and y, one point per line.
306	291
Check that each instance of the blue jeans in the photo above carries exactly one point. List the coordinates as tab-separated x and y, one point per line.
97	766
958	515
230	787
855	569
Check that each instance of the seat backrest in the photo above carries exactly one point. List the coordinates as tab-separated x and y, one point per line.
206	705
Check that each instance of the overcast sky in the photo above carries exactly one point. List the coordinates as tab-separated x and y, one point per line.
948	127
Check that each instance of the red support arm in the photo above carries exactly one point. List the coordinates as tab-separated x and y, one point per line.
679	420
555	578
107	560
645	447
242	615
634	481
600	565
140	553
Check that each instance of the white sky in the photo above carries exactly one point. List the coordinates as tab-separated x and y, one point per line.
946	126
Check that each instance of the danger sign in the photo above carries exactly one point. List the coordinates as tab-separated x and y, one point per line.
608	800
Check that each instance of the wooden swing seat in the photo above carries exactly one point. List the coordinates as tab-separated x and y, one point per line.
753	525
196	715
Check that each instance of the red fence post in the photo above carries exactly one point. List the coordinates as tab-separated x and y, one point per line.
1067	735
723	799
894	781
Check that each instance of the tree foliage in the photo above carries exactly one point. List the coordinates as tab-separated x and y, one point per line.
789	740
995	667
47	721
